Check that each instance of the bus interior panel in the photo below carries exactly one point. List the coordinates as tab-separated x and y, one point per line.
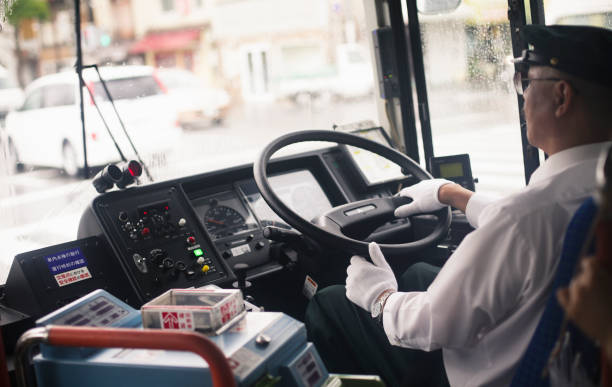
179	179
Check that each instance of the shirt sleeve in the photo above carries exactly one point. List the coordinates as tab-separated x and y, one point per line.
477	287
475	205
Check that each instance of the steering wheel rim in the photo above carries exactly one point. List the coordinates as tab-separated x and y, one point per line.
316	232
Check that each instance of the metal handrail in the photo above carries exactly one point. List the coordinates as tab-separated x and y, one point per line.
67	336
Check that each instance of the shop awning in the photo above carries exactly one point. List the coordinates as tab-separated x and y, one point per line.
165	41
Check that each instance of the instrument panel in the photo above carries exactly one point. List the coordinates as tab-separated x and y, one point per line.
235	216
195	230
242	209
224	214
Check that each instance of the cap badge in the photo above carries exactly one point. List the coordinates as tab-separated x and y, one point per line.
554	61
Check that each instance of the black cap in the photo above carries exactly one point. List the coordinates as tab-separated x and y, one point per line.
582	51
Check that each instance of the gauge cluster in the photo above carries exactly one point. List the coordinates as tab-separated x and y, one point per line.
224	214
235	214
241	210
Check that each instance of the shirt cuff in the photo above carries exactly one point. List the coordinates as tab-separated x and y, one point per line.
408	327
474	207
388	318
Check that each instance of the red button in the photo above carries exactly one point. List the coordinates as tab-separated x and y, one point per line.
145	231
191	240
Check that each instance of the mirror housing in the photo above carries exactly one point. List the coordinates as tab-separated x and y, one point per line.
433	7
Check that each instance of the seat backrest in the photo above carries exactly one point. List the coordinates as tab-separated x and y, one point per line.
531	367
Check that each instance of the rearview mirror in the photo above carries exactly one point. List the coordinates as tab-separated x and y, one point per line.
431	7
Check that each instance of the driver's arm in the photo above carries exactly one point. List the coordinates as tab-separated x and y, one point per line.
432	194
452	194
477	287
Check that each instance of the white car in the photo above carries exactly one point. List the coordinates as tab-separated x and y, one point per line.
47	131
199	105
11	95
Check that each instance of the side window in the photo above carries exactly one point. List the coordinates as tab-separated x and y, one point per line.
33	100
58	95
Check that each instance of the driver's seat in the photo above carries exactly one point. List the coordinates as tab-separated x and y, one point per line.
532	370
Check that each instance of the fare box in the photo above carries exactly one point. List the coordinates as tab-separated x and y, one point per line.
210	311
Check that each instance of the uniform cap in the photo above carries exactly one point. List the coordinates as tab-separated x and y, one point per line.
582	51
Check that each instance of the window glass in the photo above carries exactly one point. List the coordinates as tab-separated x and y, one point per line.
473	105
34	100
246	72
58	95
594	12
127	88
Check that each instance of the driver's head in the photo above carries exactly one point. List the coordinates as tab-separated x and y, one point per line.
566	81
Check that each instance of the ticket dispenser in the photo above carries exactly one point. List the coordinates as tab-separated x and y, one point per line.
261	346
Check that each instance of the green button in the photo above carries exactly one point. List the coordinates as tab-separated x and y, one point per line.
198	252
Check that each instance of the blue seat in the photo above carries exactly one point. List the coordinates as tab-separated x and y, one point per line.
530	369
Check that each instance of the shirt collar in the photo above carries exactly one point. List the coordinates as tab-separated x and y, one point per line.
564	159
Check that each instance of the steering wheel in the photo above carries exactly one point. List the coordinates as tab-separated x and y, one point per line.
344	226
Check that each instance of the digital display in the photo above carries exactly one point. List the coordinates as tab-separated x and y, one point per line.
451	170
455	168
374	168
299	190
99	312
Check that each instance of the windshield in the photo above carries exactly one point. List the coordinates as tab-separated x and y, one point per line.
205	85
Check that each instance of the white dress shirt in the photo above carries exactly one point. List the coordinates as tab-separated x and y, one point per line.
485	303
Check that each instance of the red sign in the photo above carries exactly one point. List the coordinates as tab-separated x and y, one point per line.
177	320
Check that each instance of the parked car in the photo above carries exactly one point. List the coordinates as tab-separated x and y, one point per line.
11	95
349	76
47	131
199	105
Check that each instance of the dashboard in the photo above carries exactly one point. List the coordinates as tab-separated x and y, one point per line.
195	231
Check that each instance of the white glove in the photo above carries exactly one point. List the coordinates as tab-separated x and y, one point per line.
424	196
366	281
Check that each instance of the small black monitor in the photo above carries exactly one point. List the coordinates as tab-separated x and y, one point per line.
456	168
41	281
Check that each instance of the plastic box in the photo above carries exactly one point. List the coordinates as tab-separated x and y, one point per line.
209	311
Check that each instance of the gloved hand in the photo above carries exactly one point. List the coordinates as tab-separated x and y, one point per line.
366	281
424	198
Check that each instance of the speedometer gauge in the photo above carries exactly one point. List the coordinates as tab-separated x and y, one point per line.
223	221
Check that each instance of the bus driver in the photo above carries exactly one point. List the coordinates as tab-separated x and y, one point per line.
473	323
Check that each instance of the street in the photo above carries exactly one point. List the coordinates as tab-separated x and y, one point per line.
40	207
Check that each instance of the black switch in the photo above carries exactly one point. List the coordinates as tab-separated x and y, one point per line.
240	269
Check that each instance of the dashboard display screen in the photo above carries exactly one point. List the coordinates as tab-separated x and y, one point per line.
224	214
374	168
299	190
451	170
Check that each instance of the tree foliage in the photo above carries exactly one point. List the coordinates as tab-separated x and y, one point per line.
26	9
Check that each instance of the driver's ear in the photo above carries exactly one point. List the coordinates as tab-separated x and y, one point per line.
563	97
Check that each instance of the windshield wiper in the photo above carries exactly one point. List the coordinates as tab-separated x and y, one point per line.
125	132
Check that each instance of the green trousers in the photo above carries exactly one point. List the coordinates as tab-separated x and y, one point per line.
349	340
